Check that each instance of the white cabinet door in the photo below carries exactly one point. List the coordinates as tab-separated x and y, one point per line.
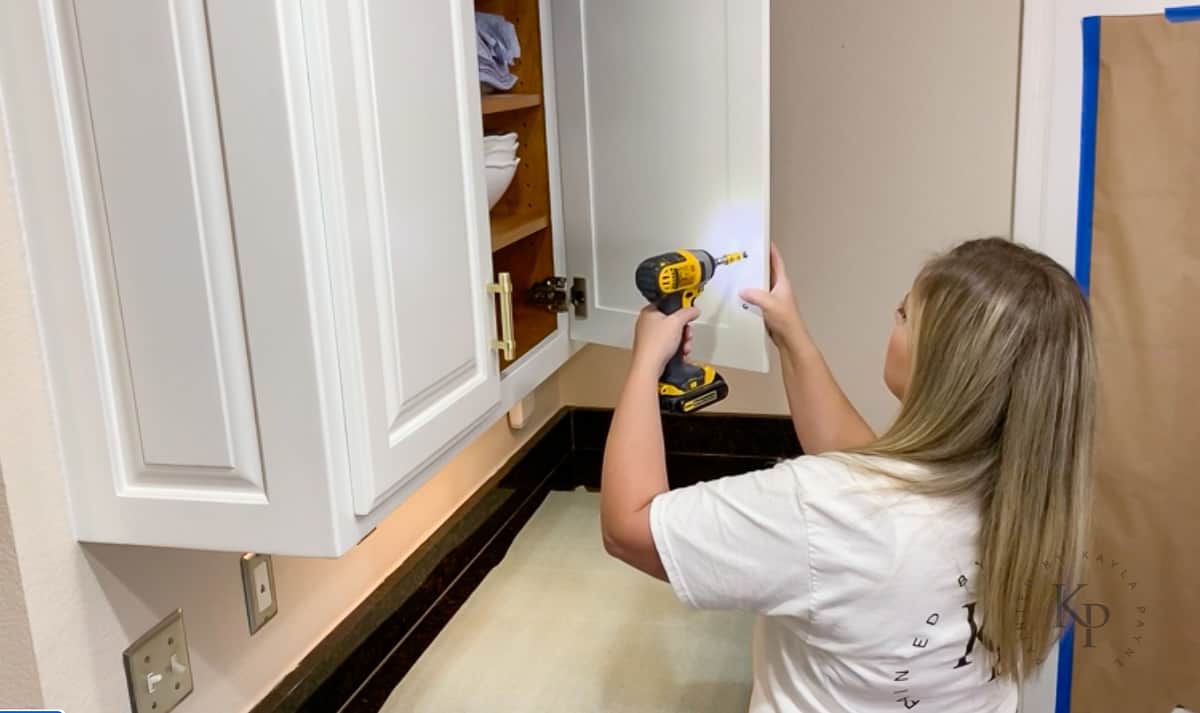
400	139
133	233
663	111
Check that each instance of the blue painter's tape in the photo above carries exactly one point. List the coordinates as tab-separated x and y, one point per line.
1087	153
1187	13
1066	657
1083	273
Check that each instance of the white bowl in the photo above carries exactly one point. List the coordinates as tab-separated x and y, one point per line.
500	141
498	180
501	149
500	156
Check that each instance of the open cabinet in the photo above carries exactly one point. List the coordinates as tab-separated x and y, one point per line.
634	140
270	289
525	225
521	236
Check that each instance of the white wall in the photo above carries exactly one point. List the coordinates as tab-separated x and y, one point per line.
893	137
18	667
86	603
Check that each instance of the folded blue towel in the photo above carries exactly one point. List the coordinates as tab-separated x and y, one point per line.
496	47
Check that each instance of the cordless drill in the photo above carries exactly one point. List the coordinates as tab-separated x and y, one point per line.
671	282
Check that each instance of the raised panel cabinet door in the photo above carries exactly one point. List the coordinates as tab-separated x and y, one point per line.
663	111
134	239
400	138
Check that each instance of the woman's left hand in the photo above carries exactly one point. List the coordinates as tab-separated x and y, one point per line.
658	336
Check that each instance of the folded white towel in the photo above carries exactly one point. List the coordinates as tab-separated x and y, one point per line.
496	48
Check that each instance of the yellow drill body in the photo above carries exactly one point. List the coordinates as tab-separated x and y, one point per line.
672	281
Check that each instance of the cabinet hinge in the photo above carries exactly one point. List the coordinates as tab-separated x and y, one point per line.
556	295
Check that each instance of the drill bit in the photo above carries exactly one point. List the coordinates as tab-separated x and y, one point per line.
729	258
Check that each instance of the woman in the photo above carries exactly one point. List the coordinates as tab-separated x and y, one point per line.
917	570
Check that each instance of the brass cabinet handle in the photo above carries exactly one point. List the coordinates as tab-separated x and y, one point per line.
507	343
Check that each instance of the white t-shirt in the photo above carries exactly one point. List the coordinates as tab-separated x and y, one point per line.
863	591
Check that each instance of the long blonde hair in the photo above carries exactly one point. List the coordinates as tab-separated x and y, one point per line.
1000	406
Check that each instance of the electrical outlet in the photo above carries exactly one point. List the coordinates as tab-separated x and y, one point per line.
258	583
158	669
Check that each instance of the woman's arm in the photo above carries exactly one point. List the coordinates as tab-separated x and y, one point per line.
635	470
635	463
823	417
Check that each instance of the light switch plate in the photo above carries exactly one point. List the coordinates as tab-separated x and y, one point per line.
258	584
158	669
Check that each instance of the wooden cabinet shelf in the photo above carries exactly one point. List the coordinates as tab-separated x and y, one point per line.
509	229
522	239
497	103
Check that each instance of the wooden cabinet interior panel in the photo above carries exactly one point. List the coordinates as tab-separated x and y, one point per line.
520	221
529	194
529	261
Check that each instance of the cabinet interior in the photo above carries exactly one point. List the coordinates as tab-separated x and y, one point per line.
520	221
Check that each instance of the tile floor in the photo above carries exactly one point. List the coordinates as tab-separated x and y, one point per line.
559	625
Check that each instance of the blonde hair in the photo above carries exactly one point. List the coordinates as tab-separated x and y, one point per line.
1000	406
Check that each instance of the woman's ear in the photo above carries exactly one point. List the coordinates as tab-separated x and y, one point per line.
897	365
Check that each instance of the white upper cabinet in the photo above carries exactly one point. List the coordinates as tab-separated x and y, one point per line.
167	330
259	238
397	126
663	112
133	237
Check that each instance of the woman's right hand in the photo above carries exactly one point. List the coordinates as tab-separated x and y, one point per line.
778	306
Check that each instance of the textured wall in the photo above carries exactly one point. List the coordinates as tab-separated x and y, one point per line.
893	128
18	667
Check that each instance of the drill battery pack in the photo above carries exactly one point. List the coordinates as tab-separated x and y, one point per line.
704	390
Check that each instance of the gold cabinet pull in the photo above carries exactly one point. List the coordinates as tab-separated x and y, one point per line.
507	343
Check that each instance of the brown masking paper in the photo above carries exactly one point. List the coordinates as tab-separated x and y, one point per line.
1137	648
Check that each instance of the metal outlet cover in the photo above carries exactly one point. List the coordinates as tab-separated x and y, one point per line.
158	669
258	585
